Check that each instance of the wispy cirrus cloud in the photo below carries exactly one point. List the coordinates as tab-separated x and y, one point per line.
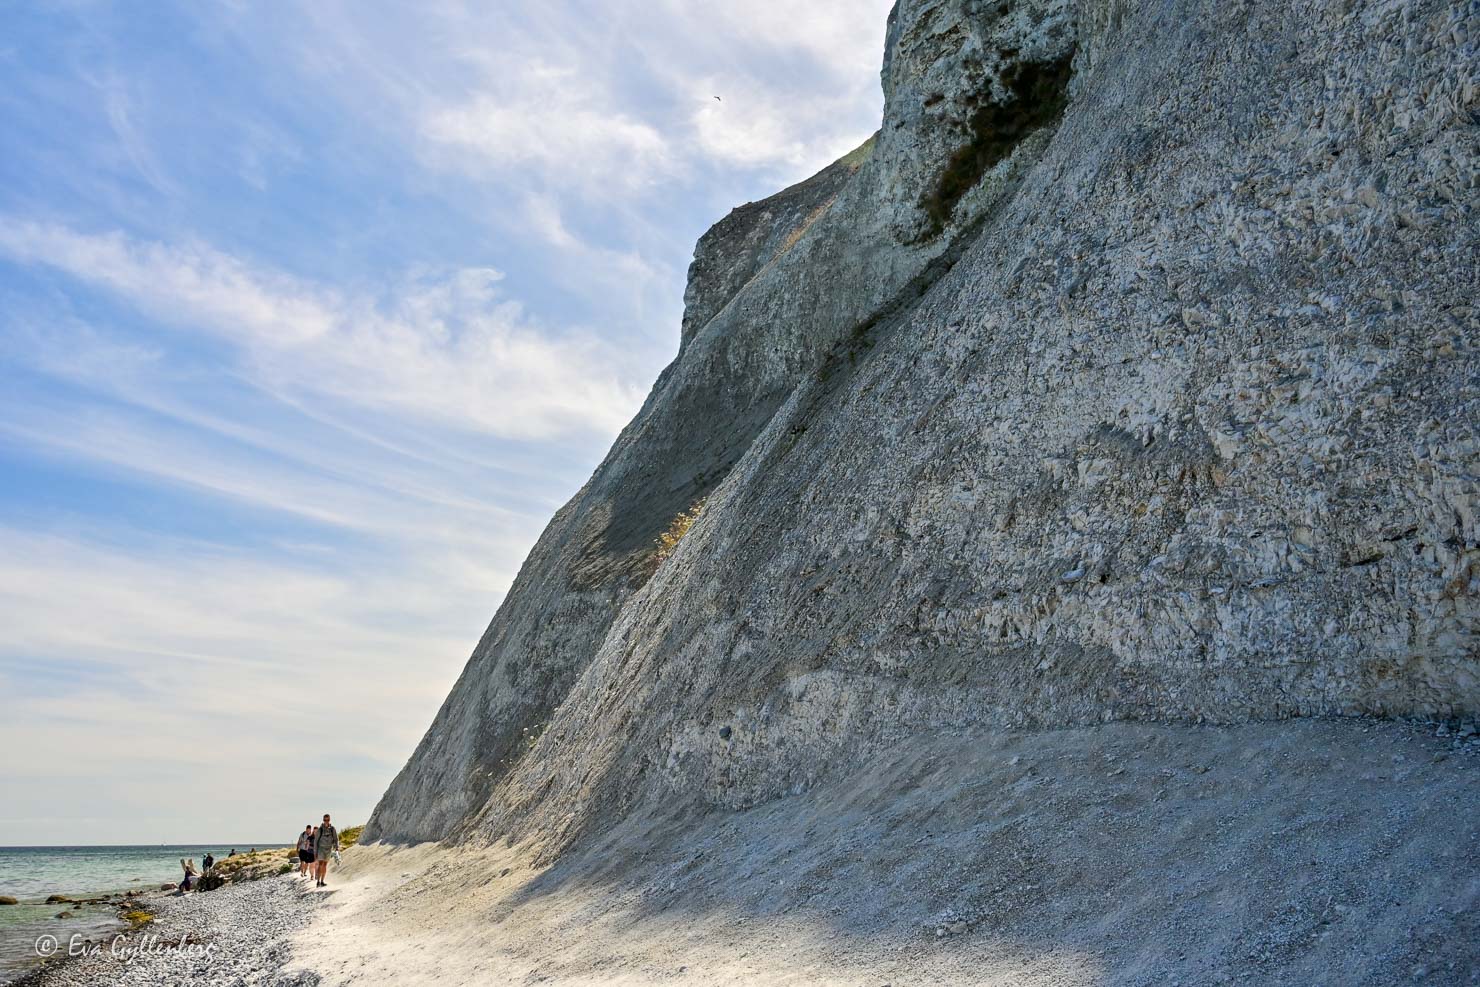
449	348
610	105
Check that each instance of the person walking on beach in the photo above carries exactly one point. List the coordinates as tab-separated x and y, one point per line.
325	844
305	849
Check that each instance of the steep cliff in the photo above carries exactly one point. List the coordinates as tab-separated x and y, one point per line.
1127	373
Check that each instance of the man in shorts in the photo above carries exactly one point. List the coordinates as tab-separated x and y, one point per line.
325	844
305	850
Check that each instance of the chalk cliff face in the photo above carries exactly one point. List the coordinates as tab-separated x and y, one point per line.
1128	372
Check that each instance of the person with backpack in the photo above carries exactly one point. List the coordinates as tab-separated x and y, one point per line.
305	849
325	845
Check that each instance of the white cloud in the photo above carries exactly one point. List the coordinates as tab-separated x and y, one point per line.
448	348
93	600
161	659
798	84
554	125
844	37
803	92
765	135
588	134
550	97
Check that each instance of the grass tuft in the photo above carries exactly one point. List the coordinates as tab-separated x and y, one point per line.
668	541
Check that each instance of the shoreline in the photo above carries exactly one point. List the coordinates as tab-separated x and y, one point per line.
85	923
240	930
94	917
101	932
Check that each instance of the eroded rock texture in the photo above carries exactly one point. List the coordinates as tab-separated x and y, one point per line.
1127	373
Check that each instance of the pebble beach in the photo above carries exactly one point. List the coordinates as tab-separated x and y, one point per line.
234	936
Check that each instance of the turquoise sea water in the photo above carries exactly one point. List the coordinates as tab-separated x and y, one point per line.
30	874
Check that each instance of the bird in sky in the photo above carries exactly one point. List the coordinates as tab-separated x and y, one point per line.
719	99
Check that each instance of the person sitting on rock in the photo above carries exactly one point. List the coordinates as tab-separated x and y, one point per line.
190	874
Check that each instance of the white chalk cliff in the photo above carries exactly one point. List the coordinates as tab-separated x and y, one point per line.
1128	373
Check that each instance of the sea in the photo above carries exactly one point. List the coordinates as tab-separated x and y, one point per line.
31	873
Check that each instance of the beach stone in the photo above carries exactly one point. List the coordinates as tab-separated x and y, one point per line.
6	899
56	899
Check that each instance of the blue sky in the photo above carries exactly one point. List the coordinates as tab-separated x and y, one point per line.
312	314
